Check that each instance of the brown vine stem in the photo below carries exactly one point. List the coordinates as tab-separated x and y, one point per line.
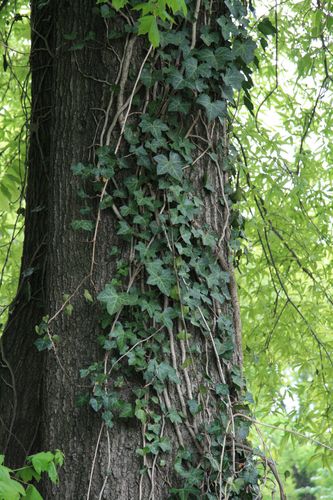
94	460
115	152
152	492
180	394
194	25
108	109
96	232
68	300
235	306
100	496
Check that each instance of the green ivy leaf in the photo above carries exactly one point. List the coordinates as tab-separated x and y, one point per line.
115	300
178	104
244	49
194	406
174	417
160	277
83	225
176	79
126	410
166	371
153	127
43	344
233	77
172	166
213	109
190	65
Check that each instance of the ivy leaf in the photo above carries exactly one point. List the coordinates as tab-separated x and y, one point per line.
115	300
166	371
174	417
160	277
228	28
244	49
126	410
193	406
222	390
153	127
83	225
176	79
172	166
43	344
190	65
213	109
233	77
209	37
164	444
179	105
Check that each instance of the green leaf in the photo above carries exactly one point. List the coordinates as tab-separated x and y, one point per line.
160	277
266	27
222	389
118	4
166	371
172	166
9	488
233	77
190	65
164	444
194	406
176	79
40	461
179	105
126	410
43	343
83	225
115	300
213	109
148	24
174	417
32	493
87	295
52	472
141	415
244	49
153	127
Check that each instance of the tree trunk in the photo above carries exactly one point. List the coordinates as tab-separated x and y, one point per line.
71	117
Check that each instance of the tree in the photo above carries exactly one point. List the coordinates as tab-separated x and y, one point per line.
127	262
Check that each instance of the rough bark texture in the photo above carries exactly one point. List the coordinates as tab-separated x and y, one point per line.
21	366
67	92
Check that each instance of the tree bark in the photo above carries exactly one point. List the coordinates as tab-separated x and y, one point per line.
70	90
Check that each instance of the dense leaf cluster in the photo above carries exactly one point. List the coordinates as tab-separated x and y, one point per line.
171	295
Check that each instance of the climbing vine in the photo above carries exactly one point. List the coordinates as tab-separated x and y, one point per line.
169	326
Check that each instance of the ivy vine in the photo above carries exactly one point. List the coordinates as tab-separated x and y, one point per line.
171	306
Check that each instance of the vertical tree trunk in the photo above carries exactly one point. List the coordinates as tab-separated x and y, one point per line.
71	93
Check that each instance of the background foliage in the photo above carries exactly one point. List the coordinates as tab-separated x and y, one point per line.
285	195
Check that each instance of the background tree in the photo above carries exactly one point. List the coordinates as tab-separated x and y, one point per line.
131	247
